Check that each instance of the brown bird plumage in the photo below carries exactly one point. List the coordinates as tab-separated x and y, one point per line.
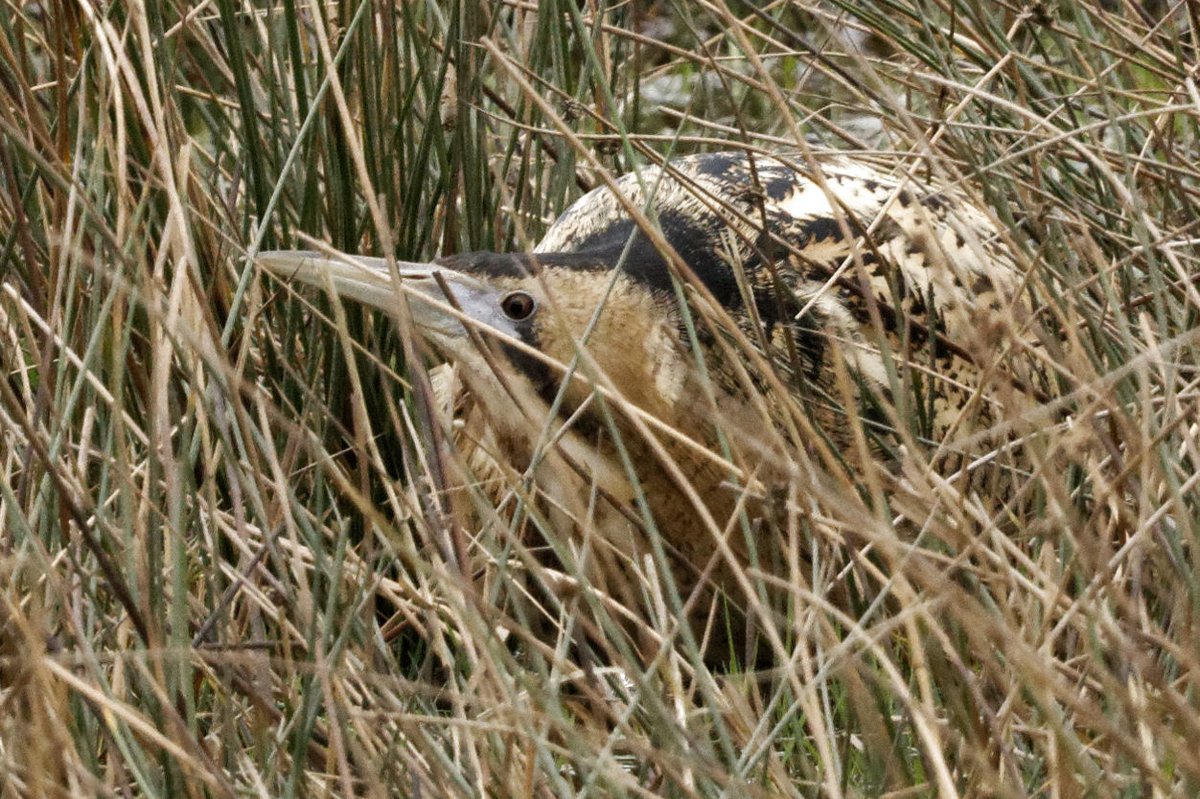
828	267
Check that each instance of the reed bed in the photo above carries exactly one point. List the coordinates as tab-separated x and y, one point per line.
228	564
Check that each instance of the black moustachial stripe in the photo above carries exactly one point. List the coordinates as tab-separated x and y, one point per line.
490	264
701	238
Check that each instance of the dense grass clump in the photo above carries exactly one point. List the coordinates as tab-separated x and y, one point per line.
227	562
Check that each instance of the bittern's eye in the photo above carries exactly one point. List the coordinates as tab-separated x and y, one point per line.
518	305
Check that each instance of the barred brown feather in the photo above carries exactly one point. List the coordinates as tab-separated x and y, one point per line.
831	266
841	235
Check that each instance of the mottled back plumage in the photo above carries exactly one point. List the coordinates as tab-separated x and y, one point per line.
843	237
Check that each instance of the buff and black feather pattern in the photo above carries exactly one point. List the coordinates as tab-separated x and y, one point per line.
907	284
829	248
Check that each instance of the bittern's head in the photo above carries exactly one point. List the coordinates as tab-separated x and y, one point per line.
533	312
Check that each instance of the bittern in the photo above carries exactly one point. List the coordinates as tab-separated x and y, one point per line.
612	358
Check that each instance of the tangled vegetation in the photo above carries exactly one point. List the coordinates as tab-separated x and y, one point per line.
226	567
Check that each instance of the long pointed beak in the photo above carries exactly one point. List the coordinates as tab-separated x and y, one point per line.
369	281
366	280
